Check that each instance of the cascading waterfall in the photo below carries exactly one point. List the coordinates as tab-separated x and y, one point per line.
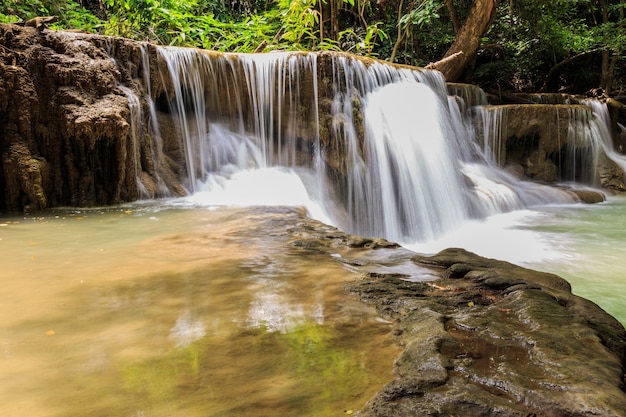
600	127
134	106
412	175
238	112
390	155
577	130
144	130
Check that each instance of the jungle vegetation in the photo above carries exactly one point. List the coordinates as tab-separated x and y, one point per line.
570	46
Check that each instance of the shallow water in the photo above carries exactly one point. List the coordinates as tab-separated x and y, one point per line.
590	244
151	310
583	243
141	311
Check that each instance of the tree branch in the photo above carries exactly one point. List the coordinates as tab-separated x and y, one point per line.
561	64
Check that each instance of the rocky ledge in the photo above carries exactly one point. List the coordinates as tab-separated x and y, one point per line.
482	337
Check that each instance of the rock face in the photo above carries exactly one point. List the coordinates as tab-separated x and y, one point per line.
67	124
547	143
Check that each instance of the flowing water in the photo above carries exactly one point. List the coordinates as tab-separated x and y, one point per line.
584	244
179	307
590	250
411	168
153	310
183	308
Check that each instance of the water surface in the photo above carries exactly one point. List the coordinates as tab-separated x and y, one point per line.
583	243
144	311
590	241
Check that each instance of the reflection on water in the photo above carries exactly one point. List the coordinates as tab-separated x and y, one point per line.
195	312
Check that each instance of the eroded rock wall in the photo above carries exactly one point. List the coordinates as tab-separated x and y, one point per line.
65	122
548	143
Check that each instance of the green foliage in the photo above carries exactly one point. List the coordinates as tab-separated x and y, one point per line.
70	13
423	14
300	20
526	42
362	41
526	39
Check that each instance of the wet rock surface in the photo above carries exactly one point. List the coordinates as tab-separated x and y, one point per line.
482	337
543	142
66	121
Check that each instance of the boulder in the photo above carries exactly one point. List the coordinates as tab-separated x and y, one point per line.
489	338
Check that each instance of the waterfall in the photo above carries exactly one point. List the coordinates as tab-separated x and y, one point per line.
601	131
412	175
148	154
381	150
136	129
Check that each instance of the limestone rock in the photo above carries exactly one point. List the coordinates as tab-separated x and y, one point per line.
493	339
65	121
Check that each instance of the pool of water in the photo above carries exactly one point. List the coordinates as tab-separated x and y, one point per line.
583	243
589	242
161	310
148	311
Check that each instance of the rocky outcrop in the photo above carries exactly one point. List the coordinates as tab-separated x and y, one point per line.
490	338
617	109
67	125
482	337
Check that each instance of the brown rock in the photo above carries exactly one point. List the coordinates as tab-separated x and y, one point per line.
482	337
496	339
66	122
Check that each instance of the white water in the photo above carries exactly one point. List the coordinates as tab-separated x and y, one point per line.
412	176
419	174
600	129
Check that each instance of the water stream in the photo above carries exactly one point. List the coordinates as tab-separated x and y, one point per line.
180	307
200	307
397	157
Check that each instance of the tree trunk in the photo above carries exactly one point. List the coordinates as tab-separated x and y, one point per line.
400	37
606	78
467	40
610	58
453	17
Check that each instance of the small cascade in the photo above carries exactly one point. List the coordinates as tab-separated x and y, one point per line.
136	132
412	182
154	139
470	94
382	150
550	142
601	129
239	112
147	147
150	160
